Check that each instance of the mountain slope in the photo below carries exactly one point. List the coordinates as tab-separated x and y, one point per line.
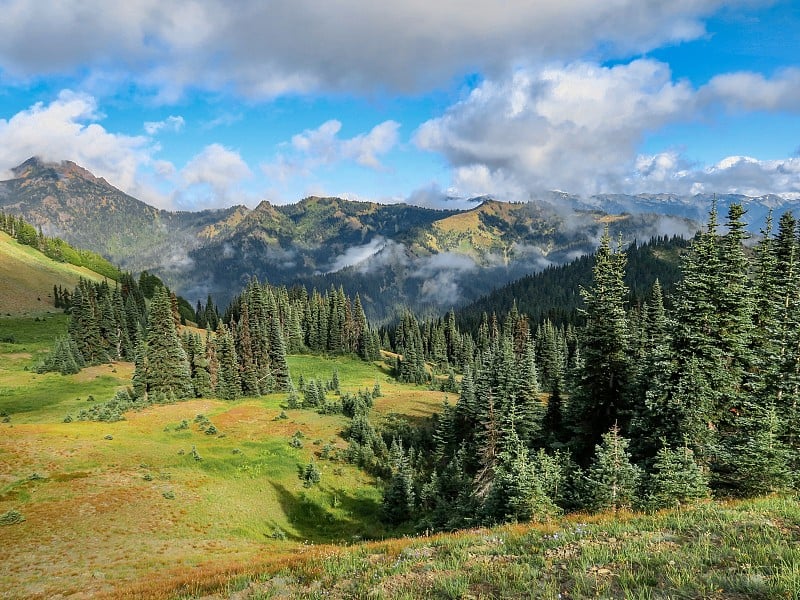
69	202
27	278
393	255
554	293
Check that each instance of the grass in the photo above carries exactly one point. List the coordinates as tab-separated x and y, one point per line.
125	510
716	550
27	278
110	506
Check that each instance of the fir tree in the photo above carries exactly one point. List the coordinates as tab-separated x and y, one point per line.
601	397
676	479
612	479
168	369
228	385
517	493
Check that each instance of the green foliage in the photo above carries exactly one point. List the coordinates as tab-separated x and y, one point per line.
612	479
11	517
676	479
310	475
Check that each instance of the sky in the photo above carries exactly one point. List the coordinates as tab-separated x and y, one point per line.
192	104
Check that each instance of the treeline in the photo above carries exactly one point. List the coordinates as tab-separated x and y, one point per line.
106	324
640	406
553	294
56	248
245	355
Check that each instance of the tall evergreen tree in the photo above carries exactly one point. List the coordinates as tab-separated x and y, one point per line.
168	369
228	385
603	387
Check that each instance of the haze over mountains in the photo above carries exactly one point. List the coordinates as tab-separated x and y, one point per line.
391	254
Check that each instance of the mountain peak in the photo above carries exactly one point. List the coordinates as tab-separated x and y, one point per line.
36	167
33	164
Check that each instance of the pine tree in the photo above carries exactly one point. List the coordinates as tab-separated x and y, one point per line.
277	356
399	497
612	478
168	369
228	385
676	479
601	397
517	493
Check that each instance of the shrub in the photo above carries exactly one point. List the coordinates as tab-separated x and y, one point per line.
12	517
310	475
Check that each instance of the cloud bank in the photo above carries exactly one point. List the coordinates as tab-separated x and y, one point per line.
263	50
578	127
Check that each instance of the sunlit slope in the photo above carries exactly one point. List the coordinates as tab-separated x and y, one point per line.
27	278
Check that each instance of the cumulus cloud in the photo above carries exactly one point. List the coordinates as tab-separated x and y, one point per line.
746	91
356	45
171	123
68	129
733	175
557	128
313	148
211	179
578	127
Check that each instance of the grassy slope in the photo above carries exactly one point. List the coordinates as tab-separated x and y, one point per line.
27	278
716	550
96	513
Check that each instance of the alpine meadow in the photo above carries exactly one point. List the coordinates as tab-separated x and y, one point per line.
461	300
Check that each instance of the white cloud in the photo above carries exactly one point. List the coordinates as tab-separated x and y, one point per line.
357	254
579	128
67	129
745	175
212	179
575	127
349	45
171	123
365	148
746	91
322	146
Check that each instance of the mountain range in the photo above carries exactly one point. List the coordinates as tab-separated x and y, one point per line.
393	255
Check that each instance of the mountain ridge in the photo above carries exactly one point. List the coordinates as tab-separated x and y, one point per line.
392	254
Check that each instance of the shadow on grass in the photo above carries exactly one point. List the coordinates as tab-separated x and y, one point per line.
321	517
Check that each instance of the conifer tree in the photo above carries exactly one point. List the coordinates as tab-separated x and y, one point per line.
399	497
612	479
601	396
676	479
516	492
228	385
168	369
277	356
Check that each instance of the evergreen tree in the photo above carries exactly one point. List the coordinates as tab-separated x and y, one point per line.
399	497
277	356
517	493
228	385
168	369
612	478
676	479
601	397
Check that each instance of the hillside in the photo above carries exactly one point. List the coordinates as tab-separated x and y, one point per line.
717	550
27	278
109	505
554	293
392	255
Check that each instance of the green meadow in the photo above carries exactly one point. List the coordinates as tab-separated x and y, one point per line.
109	506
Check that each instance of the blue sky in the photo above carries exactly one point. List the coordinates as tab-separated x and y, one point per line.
194	104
